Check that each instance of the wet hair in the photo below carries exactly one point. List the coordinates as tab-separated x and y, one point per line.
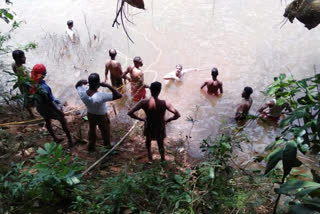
137	59
94	81
248	90
17	54
155	88
214	72
179	66
69	22
112	52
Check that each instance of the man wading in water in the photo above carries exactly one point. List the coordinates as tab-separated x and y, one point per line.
97	111
213	85
138	90
154	127
115	69
245	105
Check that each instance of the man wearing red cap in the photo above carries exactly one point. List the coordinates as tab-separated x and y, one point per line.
46	104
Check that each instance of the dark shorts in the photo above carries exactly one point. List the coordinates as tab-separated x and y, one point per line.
49	112
154	131
116	82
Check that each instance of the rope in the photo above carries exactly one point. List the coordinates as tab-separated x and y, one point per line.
112	149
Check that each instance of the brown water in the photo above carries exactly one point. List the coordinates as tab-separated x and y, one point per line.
242	38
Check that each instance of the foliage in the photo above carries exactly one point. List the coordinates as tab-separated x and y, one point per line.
301	131
8	17
51	179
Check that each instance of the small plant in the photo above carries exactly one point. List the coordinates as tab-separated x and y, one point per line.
51	180
301	131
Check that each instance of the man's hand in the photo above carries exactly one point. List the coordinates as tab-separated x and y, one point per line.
81	82
104	84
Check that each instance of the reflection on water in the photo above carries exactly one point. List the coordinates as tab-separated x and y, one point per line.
242	38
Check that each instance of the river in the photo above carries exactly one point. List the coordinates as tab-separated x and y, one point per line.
242	38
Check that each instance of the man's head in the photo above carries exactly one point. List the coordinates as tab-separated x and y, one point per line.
137	61
70	24
94	81
155	89
214	73
179	68
113	53
38	72
19	57
247	91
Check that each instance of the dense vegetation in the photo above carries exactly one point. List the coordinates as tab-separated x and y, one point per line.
52	180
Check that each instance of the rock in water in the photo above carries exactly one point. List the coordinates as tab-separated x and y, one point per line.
306	11
136	3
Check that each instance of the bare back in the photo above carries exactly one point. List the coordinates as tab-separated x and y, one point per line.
155	110
213	86
114	67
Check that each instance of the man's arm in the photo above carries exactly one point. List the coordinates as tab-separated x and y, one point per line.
266	105
115	94
81	83
124	75
221	88
106	72
176	114
137	107
204	84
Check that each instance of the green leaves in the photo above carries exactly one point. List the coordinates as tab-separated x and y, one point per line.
289	158
295	185
273	159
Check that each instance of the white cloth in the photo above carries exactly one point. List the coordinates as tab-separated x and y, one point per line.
96	104
70	34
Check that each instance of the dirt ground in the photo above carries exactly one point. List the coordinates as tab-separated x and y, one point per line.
23	140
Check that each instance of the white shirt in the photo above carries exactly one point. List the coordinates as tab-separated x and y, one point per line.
70	34
96	104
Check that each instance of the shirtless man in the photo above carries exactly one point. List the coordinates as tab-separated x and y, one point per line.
245	105
115	69
178	73
154	127
19	69
213	85
272	111
136	78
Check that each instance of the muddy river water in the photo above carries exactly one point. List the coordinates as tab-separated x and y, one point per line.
242	38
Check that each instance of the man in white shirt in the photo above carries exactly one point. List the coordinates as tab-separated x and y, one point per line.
70	32
97	110
178	73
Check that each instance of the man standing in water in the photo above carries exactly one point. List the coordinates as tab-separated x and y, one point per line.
22	75
245	105
154	127
178	73
138	90
213	85
46	104
70	33
271	110
115	69
97	110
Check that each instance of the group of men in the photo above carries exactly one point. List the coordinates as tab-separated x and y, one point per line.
38	94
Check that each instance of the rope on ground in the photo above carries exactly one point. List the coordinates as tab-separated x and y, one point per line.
39	120
113	148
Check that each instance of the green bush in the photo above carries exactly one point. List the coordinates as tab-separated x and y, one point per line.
50	180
